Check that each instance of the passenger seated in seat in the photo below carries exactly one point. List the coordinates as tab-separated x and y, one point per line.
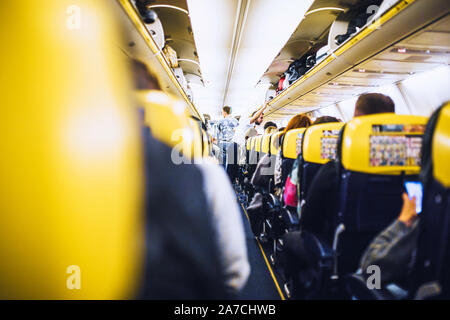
321	198
282	168
270	127
196	241
229	229
266	168
250	133
290	195
393	250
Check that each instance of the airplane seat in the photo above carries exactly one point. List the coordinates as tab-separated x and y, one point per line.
206	148
278	220
255	156
265	144
179	235
250	166
251	161
265	150
319	146
71	168
258	154
197	139
174	138
356	287
379	152
243	176
431	279
274	148
291	148
375	155
258	144
169	121
247	150
275	144
428	280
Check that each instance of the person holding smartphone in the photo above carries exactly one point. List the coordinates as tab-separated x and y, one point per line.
393	249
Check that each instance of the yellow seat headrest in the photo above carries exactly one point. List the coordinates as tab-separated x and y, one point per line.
196	149
248	143
275	143
441	147
266	143
71	181
253	143
292	143
206	145
320	142
258	143
170	123
383	144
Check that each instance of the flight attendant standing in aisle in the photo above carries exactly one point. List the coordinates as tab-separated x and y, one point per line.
224	133
236	151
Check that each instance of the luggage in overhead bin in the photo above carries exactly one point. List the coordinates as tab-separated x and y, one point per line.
171	56
310	62
357	18
292	73
285	82
280	84
385	6
152	22
298	68
322	53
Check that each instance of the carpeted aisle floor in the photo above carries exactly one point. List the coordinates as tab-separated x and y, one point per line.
260	285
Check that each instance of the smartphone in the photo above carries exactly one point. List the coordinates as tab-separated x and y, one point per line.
415	189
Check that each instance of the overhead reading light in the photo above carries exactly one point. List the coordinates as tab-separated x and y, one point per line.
324	9
168	6
401	50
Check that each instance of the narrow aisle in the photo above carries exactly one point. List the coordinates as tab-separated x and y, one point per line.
260	285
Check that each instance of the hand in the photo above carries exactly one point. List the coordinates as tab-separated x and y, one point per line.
408	214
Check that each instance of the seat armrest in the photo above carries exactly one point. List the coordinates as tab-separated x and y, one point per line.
357	288
429	290
290	218
317	246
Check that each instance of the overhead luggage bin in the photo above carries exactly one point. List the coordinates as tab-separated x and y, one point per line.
137	45
397	28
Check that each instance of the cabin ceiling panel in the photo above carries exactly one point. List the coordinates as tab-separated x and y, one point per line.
408	54
259	46
397	66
